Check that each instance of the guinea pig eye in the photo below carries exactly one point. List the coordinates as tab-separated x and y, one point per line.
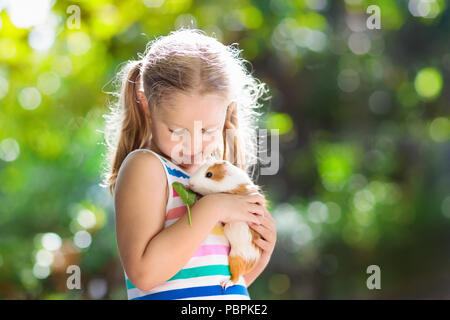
208	174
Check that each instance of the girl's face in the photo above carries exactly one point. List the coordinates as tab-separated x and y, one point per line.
189	129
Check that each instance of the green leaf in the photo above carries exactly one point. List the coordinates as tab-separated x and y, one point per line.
188	196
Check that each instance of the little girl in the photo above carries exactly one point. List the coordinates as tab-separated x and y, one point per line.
187	87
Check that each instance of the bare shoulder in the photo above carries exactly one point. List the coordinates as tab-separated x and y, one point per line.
141	179
141	165
140	204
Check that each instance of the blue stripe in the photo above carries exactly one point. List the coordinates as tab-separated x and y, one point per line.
195	292
176	173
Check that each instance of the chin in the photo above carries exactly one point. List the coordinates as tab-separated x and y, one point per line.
185	166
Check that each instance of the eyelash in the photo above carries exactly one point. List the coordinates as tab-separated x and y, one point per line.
210	131
172	131
206	132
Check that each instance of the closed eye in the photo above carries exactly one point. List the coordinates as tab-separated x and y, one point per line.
204	131
177	132
210	131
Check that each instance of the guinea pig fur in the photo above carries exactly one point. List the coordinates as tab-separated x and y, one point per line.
222	176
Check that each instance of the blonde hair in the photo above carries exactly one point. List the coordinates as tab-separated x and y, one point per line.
186	60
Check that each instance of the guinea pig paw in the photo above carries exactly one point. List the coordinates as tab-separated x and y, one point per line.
225	284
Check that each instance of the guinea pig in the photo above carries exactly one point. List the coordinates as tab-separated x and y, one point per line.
222	176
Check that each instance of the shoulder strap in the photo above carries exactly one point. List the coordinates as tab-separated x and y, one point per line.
171	169
161	159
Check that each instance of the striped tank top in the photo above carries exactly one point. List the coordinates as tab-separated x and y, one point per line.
200	277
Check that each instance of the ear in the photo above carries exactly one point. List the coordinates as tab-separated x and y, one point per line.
227	169
143	102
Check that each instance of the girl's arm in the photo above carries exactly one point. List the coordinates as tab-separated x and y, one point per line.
151	254
268	232
255	272
172	248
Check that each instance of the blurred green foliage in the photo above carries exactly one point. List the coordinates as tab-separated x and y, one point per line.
363	118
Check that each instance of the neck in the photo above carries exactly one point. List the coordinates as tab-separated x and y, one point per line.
152	146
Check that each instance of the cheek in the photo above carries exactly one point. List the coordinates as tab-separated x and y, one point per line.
216	137
162	139
171	144
211	141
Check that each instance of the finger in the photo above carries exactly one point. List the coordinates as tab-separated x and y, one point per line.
263	231
267	221
267	233
253	218
270	218
266	230
269	215
257	198
255	208
263	244
264	222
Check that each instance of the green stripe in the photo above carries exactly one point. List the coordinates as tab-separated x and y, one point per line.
214	270
130	285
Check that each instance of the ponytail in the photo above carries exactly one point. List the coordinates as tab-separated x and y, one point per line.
232	143
136	127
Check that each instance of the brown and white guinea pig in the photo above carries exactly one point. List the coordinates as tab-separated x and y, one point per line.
222	176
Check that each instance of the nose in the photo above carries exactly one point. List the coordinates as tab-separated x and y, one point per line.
194	144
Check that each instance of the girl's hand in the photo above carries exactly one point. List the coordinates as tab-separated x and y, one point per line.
268	231
233	207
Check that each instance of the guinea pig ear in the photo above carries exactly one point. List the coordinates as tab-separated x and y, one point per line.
227	168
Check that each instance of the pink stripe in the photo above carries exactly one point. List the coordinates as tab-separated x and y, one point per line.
176	212
206	250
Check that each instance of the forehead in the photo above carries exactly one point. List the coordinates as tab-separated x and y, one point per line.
184	109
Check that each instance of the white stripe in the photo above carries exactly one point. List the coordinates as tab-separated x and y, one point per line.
206	261
216	239
168	223
210	239
173	179
183	180
175	203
